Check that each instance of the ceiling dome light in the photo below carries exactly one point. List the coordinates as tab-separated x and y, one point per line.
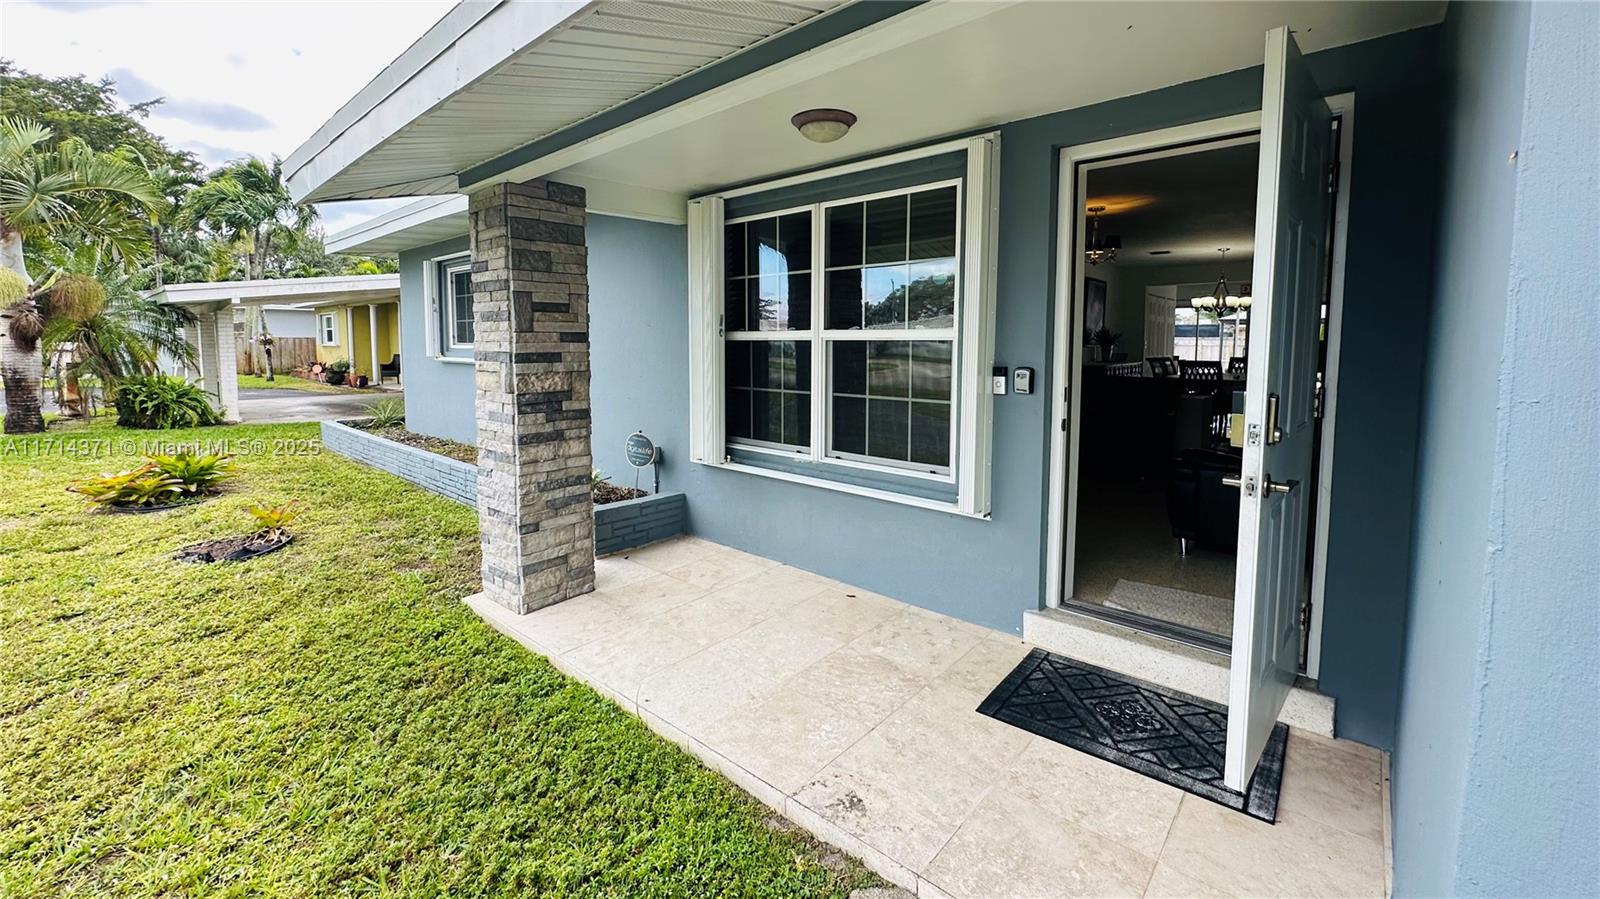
823	125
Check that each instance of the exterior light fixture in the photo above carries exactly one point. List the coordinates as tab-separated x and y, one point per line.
1100	249
823	126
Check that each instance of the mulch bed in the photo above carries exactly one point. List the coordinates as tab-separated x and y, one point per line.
450	449
233	549
159	507
607	492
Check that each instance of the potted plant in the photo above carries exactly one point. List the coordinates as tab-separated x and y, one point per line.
1105	340
336	372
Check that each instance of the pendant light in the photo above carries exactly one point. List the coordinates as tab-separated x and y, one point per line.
1100	249
1222	300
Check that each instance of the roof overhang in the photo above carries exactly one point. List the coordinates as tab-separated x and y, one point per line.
277	292
418	224
494	75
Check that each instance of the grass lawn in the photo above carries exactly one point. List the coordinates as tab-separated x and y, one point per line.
290	382
328	720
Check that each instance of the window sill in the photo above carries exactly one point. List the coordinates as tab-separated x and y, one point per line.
454	360
887	496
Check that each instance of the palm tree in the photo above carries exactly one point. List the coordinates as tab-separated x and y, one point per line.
66	196
247	202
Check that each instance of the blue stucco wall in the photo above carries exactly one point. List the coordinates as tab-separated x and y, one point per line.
1495	775
991	571
438	394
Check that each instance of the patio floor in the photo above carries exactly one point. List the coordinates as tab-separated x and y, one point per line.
853	715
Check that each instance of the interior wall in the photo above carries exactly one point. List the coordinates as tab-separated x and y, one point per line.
1495	786
1128	316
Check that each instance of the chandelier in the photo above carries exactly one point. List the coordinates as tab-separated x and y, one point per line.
1100	249
1222	301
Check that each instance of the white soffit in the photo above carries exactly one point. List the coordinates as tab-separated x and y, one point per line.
1013	62
418	224
492	76
274	291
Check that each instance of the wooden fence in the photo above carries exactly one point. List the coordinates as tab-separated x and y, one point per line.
288	354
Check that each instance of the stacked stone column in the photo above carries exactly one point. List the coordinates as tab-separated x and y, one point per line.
530	297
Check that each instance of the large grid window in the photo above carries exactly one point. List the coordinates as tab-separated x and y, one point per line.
867	289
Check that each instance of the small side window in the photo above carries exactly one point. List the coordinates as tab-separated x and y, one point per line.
326	330
457	323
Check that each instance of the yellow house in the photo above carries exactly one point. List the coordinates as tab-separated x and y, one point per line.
367	334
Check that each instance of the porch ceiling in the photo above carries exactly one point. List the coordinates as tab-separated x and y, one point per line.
492	76
1013	62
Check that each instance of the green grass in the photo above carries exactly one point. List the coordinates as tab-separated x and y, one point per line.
290	382
328	720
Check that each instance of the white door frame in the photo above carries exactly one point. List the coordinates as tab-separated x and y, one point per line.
1067	361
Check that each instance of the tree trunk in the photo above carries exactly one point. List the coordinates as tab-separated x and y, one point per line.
21	370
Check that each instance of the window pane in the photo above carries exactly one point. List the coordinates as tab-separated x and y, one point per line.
738	412
933	223
738	363
887	429
930	369
885	295
733	250
734	301
931	299
849	425
461	286
766	416
766	363
886	230
799	314
889	368
798	355
770	308
797	419
850	367
761	247
844	235
930	433
794	240
844	299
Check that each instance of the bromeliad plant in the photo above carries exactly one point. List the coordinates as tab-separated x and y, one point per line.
274	520
161	481
163	402
389	413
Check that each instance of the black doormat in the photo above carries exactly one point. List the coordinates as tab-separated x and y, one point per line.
1176	739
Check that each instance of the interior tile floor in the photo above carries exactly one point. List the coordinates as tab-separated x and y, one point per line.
1124	535
853	715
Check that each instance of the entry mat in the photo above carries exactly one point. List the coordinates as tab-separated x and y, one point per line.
1176	739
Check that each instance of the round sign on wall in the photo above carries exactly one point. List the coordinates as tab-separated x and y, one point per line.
641	450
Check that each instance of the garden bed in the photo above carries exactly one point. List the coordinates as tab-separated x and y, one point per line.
450	449
232	549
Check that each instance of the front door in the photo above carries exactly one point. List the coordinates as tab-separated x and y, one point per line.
1291	245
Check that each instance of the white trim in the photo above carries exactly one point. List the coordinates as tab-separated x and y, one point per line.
1066	366
888	496
336	288
860	165
350	331
979	271
1344	107
707	440
372	336
397	221
323	330
450	269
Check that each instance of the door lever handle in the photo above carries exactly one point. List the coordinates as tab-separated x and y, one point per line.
1232	482
1249	484
1281	486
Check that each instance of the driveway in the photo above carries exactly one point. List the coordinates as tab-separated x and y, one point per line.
296	405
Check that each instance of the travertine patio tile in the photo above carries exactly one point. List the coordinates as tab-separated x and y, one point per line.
841	613
786	738
920	644
716	570
653	595
1170	883
1110	800
572	623
980	669
1335	786
1010	847
856	683
669	554
774	589
1298	856
625	658
701	690
775	648
941	721
613	572
708	621
901	800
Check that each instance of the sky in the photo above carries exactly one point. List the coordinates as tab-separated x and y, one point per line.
238	77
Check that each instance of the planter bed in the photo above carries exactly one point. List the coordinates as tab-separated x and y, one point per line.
624	524
231	549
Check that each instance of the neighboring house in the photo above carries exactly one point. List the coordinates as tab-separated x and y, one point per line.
370	301
865	358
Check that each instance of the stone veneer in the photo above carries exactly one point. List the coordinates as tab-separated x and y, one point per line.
530	296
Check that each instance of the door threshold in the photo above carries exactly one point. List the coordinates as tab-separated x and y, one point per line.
1165	662
1166	630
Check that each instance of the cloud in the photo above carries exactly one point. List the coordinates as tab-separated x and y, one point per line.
224	116
75	6
213	155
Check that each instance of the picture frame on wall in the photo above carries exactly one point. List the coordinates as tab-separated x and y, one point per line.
1094	304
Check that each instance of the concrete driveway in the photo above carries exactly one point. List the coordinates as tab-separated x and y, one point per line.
261	406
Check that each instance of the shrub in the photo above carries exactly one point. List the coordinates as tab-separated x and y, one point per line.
196	473
274	520
389	413
336	371
161	480
163	402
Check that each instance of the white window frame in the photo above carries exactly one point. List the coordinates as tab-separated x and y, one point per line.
432	273
972	337
449	270
327	324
